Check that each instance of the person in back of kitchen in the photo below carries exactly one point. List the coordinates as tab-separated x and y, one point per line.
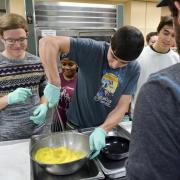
151	38
68	78
106	80
158	56
155	138
23	107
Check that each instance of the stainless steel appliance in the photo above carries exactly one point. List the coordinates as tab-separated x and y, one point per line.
100	168
96	21
112	169
88	172
4	7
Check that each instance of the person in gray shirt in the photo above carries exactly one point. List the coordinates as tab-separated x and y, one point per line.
155	139
23	107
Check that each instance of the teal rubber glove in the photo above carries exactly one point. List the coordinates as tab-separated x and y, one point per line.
97	141
39	114
19	95
52	94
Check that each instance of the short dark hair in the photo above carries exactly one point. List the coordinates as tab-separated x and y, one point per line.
127	43
165	21
12	21
149	35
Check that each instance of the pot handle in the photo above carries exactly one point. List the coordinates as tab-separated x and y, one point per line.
93	154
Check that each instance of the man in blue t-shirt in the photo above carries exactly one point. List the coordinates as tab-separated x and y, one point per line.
107	78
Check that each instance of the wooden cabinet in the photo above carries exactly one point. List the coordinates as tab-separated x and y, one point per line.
17	6
143	15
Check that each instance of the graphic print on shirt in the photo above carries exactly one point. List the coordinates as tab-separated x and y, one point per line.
111	80
66	93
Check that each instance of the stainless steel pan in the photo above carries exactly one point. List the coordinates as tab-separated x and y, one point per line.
73	140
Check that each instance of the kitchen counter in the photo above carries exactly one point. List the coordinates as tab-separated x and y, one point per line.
15	160
127	126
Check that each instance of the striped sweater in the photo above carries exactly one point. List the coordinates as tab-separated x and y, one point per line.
15	120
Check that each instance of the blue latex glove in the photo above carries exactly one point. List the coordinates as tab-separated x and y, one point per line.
19	95
52	94
39	114
97	141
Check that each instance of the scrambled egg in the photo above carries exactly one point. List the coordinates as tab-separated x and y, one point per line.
57	155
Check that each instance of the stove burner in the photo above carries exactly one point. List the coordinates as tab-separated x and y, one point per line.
112	169
89	171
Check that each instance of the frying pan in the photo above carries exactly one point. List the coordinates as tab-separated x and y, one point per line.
116	148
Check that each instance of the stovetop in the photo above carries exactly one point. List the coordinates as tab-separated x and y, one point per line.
112	168
89	171
98	168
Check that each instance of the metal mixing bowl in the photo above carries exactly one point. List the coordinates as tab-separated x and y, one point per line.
72	140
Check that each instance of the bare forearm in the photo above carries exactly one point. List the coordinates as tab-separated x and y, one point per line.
3	102
49	49
52	73
113	118
117	114
43	100
48	54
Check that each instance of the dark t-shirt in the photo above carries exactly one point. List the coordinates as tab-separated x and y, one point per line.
98	87
155	140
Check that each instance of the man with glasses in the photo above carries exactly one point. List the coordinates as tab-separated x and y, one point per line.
107	77
11	42
154	152
23	107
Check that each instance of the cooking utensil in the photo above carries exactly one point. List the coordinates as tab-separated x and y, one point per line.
72	140
116	148
58	124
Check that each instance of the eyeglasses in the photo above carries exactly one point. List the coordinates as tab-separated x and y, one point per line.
10	41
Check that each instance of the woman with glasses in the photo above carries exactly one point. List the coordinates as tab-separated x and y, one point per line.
23	107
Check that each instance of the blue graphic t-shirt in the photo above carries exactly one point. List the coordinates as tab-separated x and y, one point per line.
110	81
98	87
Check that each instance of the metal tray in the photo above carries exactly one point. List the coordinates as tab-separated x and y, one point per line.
112	169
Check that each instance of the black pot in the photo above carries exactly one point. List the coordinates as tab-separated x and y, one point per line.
116	148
